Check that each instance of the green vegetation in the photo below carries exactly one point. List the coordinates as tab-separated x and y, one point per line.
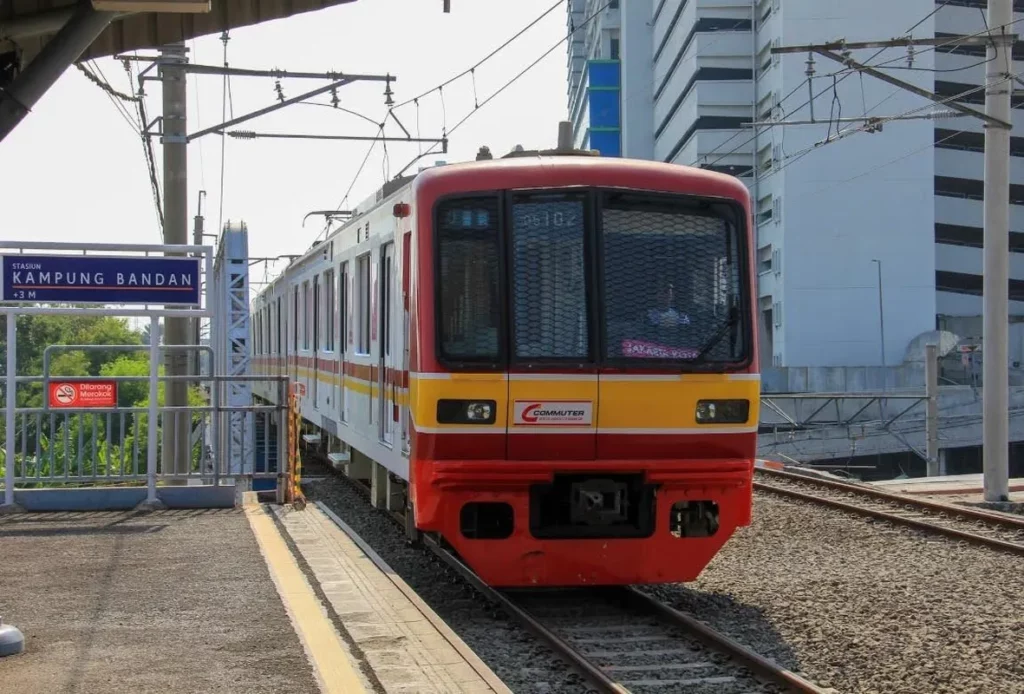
89	444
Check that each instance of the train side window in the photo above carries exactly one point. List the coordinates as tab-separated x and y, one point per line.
317	315
363	297
280	335
305	314
329	309
343	307
295	320
267	323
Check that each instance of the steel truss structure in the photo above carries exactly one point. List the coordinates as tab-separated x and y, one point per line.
231	342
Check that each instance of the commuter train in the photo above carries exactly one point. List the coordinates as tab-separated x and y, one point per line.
552	356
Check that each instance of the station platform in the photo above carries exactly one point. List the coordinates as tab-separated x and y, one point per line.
967	488
250	599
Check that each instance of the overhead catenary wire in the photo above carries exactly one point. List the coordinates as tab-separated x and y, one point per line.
508	84
138	127
470	70
477	105
113	95
147	148
793	158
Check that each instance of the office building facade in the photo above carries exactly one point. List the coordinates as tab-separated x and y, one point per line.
868	232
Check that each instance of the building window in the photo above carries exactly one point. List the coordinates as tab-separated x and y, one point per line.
615	49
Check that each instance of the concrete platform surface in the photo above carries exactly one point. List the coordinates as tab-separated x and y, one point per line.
405	644
966	486
170	602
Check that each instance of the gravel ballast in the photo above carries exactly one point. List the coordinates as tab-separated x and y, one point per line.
864	606
525	664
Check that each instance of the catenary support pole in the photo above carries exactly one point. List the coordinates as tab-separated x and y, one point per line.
176	330
881	310
10	400
995	297
931	390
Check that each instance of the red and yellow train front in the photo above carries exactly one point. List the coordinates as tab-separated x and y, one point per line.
583	386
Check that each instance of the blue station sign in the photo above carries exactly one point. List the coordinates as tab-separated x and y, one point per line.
99	279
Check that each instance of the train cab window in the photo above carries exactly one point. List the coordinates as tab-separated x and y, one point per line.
671	280
468	279
548	273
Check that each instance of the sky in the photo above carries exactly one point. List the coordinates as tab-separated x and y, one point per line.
74	169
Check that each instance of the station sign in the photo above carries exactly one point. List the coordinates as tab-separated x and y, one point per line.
83	279
82	394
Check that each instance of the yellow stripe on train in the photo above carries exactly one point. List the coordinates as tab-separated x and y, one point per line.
625	403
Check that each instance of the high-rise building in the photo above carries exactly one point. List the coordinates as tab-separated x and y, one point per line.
864	229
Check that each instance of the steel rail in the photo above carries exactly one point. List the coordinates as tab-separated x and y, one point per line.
722	643
746	657
581	664
895	518
578	661
933	506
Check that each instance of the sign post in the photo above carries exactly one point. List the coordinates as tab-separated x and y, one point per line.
10	393
148	285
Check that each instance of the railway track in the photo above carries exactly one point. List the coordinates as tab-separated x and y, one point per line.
976	526
625	642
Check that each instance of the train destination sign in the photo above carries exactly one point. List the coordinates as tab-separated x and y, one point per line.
83	394
100	279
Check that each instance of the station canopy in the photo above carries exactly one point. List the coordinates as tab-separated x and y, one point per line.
26	26
40	39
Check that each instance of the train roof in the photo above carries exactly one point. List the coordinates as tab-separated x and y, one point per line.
585	164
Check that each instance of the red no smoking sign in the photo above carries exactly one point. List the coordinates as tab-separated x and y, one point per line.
83	394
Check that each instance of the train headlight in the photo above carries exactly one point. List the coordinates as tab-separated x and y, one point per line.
722	411
466	411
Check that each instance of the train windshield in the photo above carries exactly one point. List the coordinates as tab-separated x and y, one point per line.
670	281
649	278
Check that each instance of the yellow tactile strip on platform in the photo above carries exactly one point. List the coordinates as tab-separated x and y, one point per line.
331	661
405	650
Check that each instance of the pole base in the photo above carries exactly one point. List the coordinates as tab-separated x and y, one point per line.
148	505
9	509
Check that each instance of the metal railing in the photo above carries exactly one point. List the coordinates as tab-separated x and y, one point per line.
114	446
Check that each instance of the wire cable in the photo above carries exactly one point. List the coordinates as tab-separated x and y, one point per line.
508	84
490	55
113	95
